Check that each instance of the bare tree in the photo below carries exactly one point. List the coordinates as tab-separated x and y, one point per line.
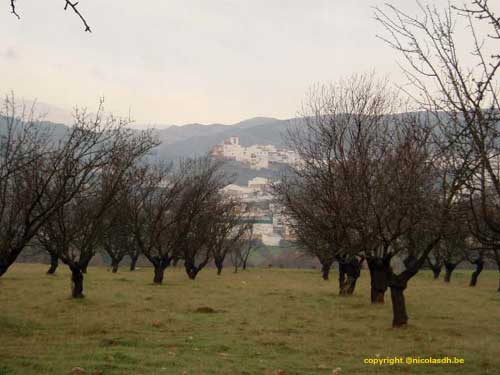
376	181
243	248
117	239
484	215
40	174
153	195
435	263
463	98
228	230
91	183
299	196
200	208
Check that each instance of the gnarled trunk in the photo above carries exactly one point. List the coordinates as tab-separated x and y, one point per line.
326	266
219	264
84	267
133	262
379	269
400	317
450	267
342	278
76	282
436	271
54	262
435	267
479	268
191	270
398	284
3	268
159	272
7	260
114	265
348	275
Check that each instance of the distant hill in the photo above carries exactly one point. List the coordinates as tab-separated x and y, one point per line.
192	140
197	139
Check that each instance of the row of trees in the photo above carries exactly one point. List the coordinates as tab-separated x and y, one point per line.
403	183
398	183
93	189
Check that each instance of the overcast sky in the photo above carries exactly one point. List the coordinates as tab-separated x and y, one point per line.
184	61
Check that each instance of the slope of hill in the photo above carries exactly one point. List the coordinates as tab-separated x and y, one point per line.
254	131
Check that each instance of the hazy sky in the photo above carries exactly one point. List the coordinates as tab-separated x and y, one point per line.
183	61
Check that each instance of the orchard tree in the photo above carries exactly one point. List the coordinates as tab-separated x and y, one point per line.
379	187
200	208
75	228
228	230
153	196
40	174
463	98
117	238
243	248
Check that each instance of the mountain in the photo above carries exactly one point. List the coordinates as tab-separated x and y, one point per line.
196	139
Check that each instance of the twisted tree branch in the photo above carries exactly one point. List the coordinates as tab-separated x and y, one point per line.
13	9
66	5
75	9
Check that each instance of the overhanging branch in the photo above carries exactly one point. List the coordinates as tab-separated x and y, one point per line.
67	4
77	12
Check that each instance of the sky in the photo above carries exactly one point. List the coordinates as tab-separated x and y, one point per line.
189	61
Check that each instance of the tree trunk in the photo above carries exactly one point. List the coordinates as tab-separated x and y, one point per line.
450	267
325	270
159	272
219	266
7	260
3	268
352	285
348	286
54	262
191	270
379	270
479	268
244	265
133	262
348	275
114	266
342	278
436	271
76	282
400	317
84	267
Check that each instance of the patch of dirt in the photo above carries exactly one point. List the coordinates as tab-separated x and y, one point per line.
205	310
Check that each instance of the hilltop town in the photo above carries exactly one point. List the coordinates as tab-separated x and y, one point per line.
255	156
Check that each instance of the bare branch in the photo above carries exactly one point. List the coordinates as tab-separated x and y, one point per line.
75	9
13	9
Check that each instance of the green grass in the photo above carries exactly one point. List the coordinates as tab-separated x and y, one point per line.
253	322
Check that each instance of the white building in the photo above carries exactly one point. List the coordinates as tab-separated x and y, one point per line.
259	183
255	156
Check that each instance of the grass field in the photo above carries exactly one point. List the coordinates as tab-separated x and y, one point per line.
265	320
